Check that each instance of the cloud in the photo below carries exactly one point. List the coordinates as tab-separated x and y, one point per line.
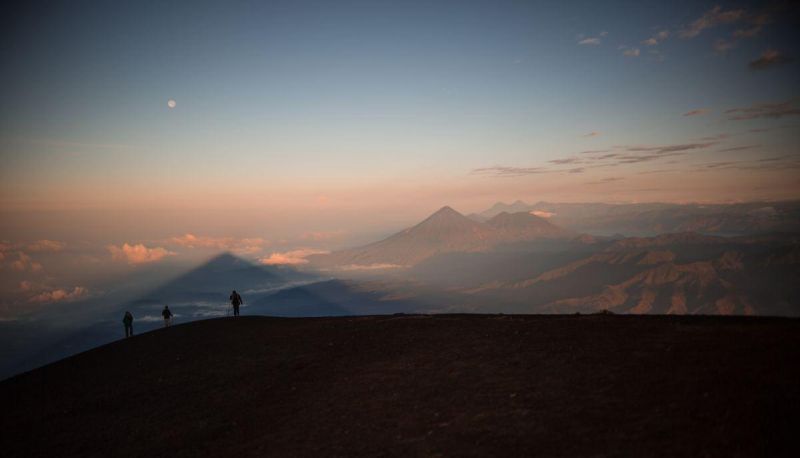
716	137
24	263
756	24
636	158
568	160
61	295
45	245
753	28
776	158
376	266
594	151
242	246
715	165
652	153
591	134
764	164
768	129
605	180
712	18
670	148
590	41
648	172
737	148
509	171
764	110
293	257
543	214
138	254
722	45
769	58
601	158
657	38
696	112
631	52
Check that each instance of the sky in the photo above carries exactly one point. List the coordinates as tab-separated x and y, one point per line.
310	125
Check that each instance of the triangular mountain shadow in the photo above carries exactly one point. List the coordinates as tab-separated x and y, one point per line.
214	280
199	293
301	301
329	298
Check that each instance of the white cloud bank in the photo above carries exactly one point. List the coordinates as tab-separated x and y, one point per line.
61	295
241	246
138	254
294	257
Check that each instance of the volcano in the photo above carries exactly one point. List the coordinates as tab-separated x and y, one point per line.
444	231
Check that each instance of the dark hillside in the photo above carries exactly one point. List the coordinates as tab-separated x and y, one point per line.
443	385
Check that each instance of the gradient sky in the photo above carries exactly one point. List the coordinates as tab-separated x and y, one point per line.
306	119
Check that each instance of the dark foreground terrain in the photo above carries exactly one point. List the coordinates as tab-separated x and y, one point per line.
445	385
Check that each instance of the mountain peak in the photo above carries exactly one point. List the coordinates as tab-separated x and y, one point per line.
446	217
226	260
446	211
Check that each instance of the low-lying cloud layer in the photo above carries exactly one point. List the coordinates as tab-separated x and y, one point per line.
61	295
236	245
294	257
138	254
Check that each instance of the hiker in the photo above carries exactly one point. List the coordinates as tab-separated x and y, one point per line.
167	316
236	301
127	320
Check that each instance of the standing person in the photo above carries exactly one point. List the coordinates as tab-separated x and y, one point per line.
127	320
236	301
167	316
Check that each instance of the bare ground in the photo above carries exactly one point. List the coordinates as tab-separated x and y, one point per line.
442	385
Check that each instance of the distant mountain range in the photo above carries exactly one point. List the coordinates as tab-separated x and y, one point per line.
649	219
684	273
444	231
531	261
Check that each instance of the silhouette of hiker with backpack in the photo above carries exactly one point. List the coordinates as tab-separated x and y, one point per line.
167	314
127	320
236	301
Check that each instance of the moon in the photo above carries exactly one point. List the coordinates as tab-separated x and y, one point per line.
171	103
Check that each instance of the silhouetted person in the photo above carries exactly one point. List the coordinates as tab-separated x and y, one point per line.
236	301
127	320
167	316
